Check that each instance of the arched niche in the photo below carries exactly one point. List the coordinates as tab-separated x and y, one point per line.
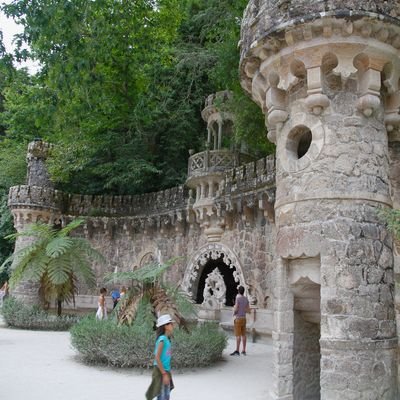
204	261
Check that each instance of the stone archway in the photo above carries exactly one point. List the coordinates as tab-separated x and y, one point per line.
206	259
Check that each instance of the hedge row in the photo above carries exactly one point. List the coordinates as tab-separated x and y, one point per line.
19	315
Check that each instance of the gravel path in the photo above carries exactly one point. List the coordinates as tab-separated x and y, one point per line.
42	365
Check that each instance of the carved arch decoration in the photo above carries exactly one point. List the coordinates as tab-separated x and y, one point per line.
199	259
151	254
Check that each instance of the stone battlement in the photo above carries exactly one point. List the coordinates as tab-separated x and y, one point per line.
248	177
25	196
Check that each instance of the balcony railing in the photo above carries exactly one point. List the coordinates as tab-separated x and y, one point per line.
211	161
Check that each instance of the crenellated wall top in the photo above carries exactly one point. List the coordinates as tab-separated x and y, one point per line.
249	177
264	17
270	26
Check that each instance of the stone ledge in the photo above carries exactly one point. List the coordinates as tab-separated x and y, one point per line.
327	344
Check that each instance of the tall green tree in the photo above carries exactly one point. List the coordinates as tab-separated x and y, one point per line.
55	259
12	160
122	86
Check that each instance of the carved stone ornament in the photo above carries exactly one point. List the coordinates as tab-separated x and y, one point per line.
214	290
200	258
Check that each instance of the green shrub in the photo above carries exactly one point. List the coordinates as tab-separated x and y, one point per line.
105	342
199	348
19	315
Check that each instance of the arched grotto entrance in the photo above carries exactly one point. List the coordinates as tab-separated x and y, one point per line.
213	276
228	278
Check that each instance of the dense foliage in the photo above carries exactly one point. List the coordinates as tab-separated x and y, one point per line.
105	342
122	85
119	92
20	315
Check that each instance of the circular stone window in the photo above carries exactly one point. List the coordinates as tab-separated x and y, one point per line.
302	145
299	142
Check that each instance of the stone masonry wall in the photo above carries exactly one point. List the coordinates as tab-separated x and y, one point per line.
253	245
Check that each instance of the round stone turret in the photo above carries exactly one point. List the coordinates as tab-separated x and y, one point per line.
266	18
326	74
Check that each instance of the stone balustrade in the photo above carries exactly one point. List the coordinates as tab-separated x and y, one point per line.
214	161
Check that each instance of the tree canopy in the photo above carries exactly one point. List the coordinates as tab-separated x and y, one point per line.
121	88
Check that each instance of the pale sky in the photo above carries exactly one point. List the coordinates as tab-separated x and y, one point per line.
9	29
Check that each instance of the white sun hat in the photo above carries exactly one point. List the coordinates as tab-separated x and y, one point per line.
164	320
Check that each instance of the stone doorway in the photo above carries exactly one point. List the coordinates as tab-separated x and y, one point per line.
306	345
306	360
226	272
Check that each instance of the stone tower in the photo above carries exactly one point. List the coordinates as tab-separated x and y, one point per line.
34	202
326	75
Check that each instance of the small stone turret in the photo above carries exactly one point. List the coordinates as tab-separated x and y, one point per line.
219	123
207	169
326	74
38	175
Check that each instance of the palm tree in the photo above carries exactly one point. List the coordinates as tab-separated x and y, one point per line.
56	260
147	283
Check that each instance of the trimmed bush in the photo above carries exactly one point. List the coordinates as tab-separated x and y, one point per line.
19	315
105	342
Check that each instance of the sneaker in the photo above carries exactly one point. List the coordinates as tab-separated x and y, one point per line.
235	353
243	353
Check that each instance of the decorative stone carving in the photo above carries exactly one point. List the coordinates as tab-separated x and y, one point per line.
207	171
214	290
211	251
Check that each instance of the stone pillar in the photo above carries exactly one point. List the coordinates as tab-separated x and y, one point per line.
219	135
316	69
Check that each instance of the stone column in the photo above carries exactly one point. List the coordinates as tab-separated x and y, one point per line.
219	135
316	70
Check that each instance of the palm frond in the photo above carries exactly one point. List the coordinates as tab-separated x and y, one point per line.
86	248
70	227
182	300
128	308
58	246
164	304
21	261
59	270
37	267
83	270
38	230
149	273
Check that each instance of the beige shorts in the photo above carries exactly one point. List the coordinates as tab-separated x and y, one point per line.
240	327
